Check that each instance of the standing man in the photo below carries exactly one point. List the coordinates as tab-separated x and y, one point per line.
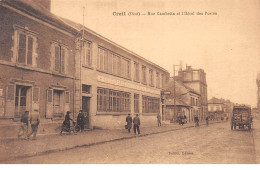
196	120
34	121
80	120
24	126
159	120
137	123
207	120
129	122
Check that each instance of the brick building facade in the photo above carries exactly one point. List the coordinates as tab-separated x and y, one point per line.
51	65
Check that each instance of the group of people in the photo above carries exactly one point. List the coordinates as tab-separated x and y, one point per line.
34	120
80	122
182	119
137	123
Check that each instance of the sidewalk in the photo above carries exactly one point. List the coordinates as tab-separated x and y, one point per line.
14	149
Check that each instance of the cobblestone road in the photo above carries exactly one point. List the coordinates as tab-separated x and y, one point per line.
213	144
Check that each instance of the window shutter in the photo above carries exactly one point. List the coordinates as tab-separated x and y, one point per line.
57	58
10	102
52	59
34	52
29	50
62	60
49	105
21	48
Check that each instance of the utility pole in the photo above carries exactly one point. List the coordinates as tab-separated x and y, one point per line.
174	90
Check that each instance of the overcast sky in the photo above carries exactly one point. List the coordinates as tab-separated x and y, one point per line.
226	45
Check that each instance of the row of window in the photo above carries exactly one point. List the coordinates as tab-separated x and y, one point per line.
113	63
112	101
151	104
160	81
26	53
107	60
117	101
194	102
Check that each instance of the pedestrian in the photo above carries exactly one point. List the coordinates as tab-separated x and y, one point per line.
137	124
34	121
159	120
129	123
185	118
24	126
196	120
66	123
207	120
80	120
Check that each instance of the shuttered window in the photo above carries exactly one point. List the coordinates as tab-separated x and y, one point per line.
59	58
10	92
25	49
49	95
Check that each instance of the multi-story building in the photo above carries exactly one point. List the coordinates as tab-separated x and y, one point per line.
196	80
219	108
51	65
37	61
115	81
187	101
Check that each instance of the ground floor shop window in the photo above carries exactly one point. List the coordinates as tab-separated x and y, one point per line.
151	104
112	101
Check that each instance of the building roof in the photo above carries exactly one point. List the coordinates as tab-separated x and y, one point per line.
80	27
180	88
38	11
178	102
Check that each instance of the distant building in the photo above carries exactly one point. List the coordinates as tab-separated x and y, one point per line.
196	80
219	108
255	113
185	101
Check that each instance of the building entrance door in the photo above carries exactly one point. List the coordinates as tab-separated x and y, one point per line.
22	100
86	108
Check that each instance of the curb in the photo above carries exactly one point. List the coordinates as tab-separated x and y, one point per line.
94	143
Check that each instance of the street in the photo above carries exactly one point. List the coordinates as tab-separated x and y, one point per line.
215	144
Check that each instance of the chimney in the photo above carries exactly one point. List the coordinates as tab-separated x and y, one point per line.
45	3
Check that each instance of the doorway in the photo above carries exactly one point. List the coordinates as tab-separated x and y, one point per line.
86	109
22	99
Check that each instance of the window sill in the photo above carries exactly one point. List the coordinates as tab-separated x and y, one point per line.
112	113
113	74
24	66
87	66
32	68
149	114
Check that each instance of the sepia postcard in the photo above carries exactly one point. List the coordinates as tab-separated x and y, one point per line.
129	82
